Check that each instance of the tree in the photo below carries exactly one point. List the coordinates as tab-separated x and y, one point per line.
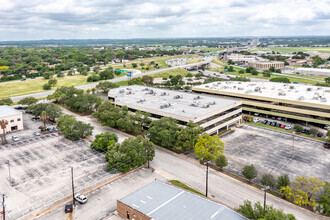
44	118
314	131
282	181
257	212
96	69
323	204
28	101
47	75
93	78
249	172
268	180
147	80
6	101
53	111
280	79
298	128
73	129
186	137
254	72
134	65
106	74
266	73
47	87
230	69
163	132
131	153
3	125
103	140
241	71
221	161
303	190
208	148
272	69
52	82
106	86
327	80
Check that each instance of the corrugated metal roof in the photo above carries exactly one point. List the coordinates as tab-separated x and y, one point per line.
161	201
6	111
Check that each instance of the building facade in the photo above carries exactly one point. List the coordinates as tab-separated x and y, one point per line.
13	117
213	114
265	65
291	102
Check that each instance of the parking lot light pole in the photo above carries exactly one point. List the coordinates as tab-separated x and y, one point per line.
147	138
207	177
73	200
3	206
293	133
265	190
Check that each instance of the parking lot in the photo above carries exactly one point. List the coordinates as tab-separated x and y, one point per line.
40	169
271	152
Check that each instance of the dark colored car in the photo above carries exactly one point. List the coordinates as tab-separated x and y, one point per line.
278	125
68	208
274	124
319	134
326	145
35	117
23	79
307	131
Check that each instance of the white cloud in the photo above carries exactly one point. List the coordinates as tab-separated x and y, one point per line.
50	19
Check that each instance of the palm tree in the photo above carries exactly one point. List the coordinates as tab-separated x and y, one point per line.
3	124
44	117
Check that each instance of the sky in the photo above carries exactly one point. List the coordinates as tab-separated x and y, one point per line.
121	19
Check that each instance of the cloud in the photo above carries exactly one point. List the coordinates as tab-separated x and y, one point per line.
60	19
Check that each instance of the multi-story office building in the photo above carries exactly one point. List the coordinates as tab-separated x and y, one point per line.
265	65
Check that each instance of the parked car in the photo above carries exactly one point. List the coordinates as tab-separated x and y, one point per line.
18	107
278	125
80	198
327	127
274	124
279	118
15	138
55	129
273	117
256	120
23	79
37	133
320	134
283	126
36	117
264	122
68	208
326	145
50	130
288	127
269	123
256	114
307	131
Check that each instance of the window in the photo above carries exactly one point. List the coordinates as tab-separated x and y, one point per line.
11	121
127	214
18	119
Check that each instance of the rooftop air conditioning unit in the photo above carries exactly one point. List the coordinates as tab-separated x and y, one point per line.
212	103
121	91
177	97
197	97
205	105
128	92
309	89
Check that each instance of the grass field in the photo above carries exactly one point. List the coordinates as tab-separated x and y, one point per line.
174	72
197	60
184	186
293	49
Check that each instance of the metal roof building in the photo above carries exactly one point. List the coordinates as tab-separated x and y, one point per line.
161	201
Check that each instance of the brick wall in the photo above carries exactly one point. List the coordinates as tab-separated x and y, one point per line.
122	209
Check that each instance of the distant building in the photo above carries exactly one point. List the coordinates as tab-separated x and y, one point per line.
214	114
162	201
321	55
265	65
13	117
313	72
290	102
241	59
299	61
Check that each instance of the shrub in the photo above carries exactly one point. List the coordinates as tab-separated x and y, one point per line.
282	181
241	71
93	78
314	131
221	161
267	73
249	172
47	87
298	128
268	180
254	72
280	79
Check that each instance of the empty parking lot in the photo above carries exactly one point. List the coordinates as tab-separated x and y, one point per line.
271	152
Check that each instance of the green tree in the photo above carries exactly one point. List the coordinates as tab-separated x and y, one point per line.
249	172
47	87
47	75
28	101
147	80
52	82
327	80
282	181
221	161
323	204
6	101
134	65
230	69
268	180
96	69
241	71
163	132
272	69
106	86
266	73
314	131
73	129
186	137
254	72
280	79
298	127
131	153
44	118
106	74
103	140
208	148
53	111
303	190
257	212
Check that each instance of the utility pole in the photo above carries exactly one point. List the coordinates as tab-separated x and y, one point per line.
147	138
265	190
207	177
73	200
3	206
8	162
293	144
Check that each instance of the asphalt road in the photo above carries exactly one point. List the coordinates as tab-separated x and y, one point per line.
91	85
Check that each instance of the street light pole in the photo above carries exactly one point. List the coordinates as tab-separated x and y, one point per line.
148	152
207	177
73	200
3	206
265	190
293	144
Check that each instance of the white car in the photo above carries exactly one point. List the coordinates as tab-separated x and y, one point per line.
327	127
37	133
15	138
256	120
80	198
288	127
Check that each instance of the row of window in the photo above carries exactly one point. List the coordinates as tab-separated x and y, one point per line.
12	121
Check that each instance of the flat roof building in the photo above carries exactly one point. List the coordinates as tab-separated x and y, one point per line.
213	114
162	201
295	102
265	65
13	117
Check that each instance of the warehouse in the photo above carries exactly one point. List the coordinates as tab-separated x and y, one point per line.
213	114
13	117
162	201
293	102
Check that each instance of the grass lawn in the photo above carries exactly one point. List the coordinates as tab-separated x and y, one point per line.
174	72
184	186
287	131
293	49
